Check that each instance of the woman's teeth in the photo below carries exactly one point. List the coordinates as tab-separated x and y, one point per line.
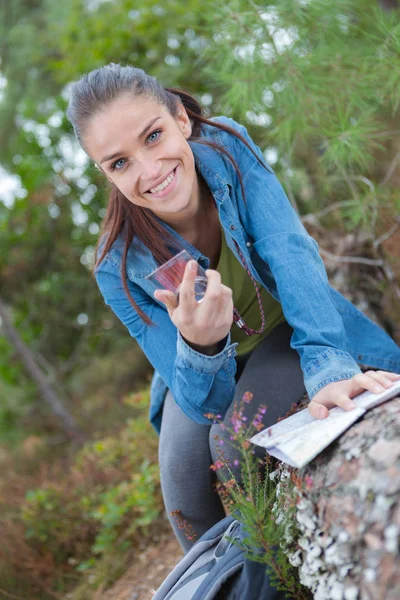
164	184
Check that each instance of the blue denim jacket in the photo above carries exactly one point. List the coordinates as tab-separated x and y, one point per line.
330	334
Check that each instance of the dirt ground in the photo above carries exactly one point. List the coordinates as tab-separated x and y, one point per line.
151	567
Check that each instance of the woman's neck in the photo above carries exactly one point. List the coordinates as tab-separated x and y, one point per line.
205	233
202	228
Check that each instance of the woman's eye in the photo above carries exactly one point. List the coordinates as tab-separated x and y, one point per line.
154	135
115	167
119	164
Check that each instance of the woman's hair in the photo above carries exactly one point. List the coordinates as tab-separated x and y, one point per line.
94	92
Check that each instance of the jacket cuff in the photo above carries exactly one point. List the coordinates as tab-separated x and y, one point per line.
331	365
201	362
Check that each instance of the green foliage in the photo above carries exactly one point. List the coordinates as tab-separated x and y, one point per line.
320	78
134	502
112	492
267	516
89	512
14	408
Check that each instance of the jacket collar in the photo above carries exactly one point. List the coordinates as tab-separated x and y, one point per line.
211	166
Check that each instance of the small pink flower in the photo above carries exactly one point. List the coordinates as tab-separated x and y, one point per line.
247	397
309	481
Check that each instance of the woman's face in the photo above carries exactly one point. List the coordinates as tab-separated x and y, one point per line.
144	151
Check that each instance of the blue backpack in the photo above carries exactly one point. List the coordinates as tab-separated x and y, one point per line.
215	568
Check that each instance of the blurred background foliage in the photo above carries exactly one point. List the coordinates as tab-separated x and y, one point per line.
317	83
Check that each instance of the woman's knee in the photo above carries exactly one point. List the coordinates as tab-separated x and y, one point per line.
183	447
228	454
225	453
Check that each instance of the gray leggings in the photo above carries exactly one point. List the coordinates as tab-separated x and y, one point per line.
186	449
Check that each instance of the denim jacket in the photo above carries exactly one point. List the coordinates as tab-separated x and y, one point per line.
330	334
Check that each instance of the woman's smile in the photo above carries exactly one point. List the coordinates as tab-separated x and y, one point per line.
167	186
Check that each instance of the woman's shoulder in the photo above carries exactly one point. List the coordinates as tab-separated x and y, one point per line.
211	131
245	151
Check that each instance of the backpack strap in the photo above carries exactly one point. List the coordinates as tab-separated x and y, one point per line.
198	556
230	565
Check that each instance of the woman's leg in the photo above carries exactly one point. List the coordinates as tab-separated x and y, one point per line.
187	482
273	374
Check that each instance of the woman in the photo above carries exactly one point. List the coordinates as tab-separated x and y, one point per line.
179	180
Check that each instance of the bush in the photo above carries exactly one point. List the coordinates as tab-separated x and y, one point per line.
97	505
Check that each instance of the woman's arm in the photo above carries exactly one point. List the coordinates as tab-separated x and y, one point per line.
292	256
200	383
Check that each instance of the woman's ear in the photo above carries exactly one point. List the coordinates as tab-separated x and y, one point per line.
184	122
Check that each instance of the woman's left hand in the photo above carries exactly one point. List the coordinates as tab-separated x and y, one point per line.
339	393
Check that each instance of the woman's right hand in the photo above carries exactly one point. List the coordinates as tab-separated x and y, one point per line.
203	324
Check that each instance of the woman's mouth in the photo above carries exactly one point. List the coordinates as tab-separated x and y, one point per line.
165	187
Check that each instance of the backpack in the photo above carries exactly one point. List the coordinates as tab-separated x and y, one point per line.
215	568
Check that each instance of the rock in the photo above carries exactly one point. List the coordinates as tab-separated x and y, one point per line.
385	452
349	519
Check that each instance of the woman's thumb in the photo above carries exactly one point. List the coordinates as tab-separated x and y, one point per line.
168	298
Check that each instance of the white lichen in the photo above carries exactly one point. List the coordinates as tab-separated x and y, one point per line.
370	575
324	557
351	593
306	520
353	453
391	534
343	536
337	591
295	558
344	570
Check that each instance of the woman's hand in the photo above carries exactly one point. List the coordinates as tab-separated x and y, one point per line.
339	393
202	324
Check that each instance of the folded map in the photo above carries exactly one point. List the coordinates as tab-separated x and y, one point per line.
300	438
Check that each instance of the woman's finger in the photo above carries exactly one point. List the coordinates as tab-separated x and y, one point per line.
227	307
317	410
381	377
344	402
213	291
365	382
226	290
388	374
186	291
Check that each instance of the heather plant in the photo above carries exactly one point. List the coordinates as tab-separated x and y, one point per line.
262	496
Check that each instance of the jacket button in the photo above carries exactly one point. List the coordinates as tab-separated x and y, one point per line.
232	228
248	244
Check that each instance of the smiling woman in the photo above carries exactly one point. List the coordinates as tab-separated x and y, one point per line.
269	321
147	163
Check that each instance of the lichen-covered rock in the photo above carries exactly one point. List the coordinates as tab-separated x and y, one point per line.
348	512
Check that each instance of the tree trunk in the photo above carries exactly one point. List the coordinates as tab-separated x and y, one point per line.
349	512
34	371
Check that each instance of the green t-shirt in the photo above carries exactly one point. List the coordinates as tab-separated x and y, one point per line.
235	276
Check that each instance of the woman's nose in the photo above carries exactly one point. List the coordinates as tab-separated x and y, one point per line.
150	170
